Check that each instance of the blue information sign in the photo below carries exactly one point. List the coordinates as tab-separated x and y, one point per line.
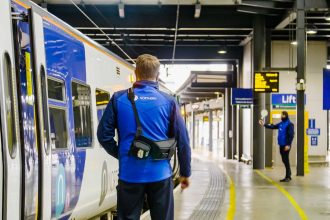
326	89
314	141
312	130
242	97
284	101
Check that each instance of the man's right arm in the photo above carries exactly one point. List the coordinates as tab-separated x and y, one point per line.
271	126
106	129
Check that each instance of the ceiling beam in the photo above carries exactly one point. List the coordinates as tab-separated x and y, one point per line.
287	20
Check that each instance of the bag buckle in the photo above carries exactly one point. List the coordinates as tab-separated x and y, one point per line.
142	154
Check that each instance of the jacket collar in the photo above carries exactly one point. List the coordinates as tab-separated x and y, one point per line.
144	83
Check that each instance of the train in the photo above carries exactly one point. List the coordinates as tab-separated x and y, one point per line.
54	86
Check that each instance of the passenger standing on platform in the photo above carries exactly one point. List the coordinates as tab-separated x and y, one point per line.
160	119
285	138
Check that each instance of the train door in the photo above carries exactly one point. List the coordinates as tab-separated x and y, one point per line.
27	104
10	158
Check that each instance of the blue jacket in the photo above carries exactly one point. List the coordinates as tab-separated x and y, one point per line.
285	132
160	118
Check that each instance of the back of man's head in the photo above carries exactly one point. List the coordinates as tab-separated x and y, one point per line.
147	67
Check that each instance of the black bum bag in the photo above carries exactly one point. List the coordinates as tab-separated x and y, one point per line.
142	147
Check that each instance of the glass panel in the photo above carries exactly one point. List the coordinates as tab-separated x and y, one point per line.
55	90
102	97
10	106
58	129
81	102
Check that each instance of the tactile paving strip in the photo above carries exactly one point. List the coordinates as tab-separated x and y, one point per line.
210	206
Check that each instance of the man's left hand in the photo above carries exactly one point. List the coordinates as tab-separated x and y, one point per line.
286	148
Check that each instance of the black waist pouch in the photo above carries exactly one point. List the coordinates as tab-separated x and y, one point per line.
142	147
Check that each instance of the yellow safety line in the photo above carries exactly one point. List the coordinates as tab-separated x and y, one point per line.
286	194
232	199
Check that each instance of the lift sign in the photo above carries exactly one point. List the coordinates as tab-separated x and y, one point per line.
266	82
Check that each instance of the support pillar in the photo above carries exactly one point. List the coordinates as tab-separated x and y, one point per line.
210	131
301	78
193	129
259	37
268	132
228	126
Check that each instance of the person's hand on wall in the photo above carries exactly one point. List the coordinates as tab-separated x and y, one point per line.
261	122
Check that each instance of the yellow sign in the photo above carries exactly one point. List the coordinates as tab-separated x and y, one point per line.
266	82
205	118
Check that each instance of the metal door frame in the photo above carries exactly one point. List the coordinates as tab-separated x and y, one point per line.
36	115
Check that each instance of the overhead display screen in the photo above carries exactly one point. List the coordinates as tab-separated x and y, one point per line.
266	82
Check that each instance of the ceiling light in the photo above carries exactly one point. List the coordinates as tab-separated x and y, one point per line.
121	10
294	43
311	29
327	16
198	9
222	51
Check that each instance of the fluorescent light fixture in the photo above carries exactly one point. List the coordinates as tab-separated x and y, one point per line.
222	51
327	17
121	10
311	29
294	43
198	9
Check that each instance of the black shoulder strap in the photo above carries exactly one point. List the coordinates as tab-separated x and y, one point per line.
131	97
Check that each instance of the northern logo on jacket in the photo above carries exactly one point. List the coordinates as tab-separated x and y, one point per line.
144	98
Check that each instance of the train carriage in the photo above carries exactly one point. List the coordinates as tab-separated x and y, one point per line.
54	86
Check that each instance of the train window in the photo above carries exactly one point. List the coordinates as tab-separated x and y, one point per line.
58	128
55	89
10	106
81	102
102	97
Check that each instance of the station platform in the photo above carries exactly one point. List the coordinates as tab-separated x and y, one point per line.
224	189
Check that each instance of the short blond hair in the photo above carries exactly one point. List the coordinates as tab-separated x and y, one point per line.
147	67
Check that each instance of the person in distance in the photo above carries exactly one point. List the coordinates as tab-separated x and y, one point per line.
284	139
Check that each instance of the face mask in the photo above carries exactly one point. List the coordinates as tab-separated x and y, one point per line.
283	118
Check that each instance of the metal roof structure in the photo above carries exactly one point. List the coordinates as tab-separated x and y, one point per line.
189	32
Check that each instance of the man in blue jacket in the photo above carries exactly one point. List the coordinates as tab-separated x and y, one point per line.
160	118
284	139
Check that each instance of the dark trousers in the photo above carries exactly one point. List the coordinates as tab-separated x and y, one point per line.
130	198
285	159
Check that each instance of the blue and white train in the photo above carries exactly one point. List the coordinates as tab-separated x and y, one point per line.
54	85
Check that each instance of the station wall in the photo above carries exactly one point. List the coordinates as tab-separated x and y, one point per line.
284	55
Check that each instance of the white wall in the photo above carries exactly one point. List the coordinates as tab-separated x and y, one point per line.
282	56
247	83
